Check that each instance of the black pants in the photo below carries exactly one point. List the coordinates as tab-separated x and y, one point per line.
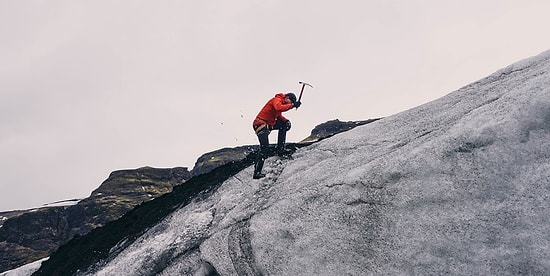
263	137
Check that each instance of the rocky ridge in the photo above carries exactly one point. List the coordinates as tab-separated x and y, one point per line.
29	235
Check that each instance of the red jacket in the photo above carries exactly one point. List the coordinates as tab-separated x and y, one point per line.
272	110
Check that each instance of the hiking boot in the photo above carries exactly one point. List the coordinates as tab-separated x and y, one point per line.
258	175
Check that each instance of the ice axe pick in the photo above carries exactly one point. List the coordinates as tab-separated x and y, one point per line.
302	91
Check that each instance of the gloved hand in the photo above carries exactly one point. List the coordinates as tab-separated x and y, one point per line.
297	104
288	125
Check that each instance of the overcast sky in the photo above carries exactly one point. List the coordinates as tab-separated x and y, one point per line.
89	87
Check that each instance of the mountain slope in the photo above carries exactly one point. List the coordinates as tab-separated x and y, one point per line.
460	185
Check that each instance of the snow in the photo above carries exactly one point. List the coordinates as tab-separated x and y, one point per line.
460	185
62	203
68	202
25	270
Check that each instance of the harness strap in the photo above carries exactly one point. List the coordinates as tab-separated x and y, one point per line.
259	124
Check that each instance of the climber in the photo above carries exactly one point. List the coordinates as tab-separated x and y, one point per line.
268	119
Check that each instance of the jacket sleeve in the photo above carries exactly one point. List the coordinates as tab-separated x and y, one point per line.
280	106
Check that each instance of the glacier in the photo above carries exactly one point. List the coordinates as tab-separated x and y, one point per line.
458	186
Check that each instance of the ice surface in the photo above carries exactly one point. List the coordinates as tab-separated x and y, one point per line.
460	185
24	270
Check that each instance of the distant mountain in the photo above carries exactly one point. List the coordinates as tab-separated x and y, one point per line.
29	235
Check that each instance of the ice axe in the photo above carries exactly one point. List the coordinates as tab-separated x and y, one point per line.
301	92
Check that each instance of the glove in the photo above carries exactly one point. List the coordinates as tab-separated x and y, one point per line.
297	104
288	125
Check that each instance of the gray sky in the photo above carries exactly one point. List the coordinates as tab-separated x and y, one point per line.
89	87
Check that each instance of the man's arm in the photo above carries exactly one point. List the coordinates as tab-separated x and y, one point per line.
279	105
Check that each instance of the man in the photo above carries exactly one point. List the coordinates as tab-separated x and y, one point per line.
269	118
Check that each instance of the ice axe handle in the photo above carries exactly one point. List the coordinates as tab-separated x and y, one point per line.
302	91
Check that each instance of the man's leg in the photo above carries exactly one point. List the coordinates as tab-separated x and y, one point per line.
282	127
281	137
263	137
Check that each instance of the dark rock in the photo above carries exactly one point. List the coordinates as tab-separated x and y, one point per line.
333	127
209	161
9	214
